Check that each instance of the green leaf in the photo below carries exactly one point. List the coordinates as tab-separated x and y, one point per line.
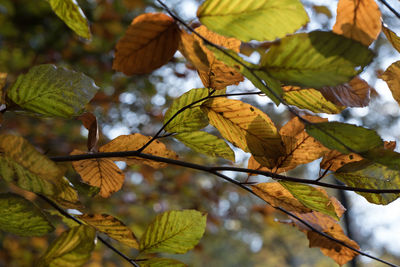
21	217
22	164
312	100
173	232
253	19
52	91
72	15
260	78
206	143
161	262
71	249
190	119
365	174
346	138
312	198
383	156
315	59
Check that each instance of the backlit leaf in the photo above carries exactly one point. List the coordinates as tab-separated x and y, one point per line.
359	20
72	15
364	174
161	262
392	37
67	196
134	142
21	217
101	172
391	77
253	19
52	91
334	160
206	143
346	138
90	122
192	49
112	227
192	118
149	42
173	232
71	249
245	127
315	59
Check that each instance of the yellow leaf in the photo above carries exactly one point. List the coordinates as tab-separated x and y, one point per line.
149	42
102	173
245	127
359	20
392	37
112	227
134	142
392	77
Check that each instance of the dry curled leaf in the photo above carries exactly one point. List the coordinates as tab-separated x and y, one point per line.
90	122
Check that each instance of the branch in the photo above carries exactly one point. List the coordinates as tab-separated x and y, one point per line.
69	216
397	14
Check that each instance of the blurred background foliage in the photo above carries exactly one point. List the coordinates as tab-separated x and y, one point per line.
240	230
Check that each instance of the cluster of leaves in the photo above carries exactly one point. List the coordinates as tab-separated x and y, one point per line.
309	73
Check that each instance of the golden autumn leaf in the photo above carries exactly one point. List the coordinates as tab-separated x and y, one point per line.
245	127
359	20
149	42
392	37
192	50
391	77
102	172
134	142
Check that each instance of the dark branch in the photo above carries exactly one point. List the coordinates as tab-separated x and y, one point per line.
397	14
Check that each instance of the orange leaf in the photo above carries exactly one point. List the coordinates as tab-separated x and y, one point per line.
149	42
102	173
359	20
90	122
392	37
134	142
391	77
193	51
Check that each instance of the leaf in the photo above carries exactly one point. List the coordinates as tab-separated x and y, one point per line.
100	172
324	223
392	37
192	118
67	196
192	49
314	198
173	232
322	10
355	93
206	143
391	77
346	138
21	217
149	42
359	20
259	78
3	82
90	122
334	160
161	262
72	15
315	59
245	127
364	174
310	99
22	164
278	196
253	19
134	142
52	91
112	227
71	249
218	75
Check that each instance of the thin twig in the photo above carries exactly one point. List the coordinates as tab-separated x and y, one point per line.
397	14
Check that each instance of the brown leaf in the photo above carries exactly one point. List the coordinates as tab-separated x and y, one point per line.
391	77
90	122
392	37
359	20
3	81
134	142
102	173
192	50
149	42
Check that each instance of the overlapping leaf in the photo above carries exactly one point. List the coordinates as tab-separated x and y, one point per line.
173	232
391	77
161	262
72	248
315	59
245	127
112	227
206	143
149	42
253	19
21	217
72	15
359	20
392	37
52	91
100	172
90	122
193	51
134	142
